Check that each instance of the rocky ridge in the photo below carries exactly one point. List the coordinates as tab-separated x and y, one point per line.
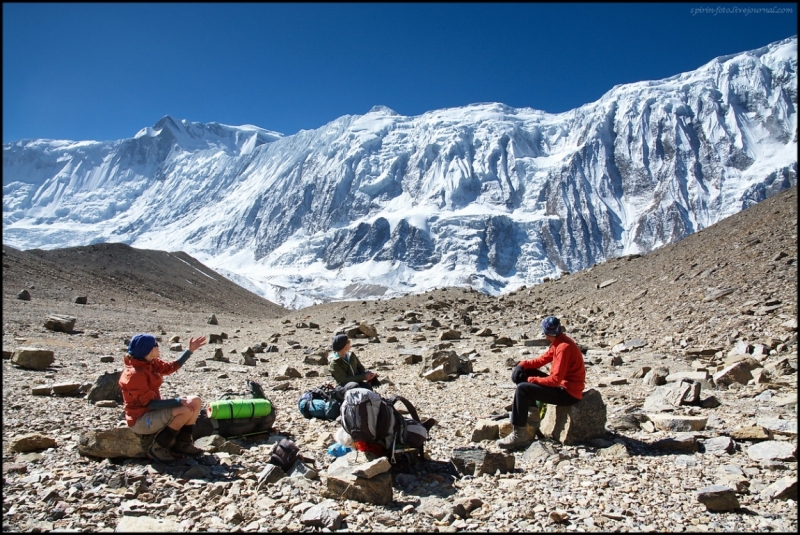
719	301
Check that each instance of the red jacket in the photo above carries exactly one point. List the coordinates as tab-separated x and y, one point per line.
567	370
140	382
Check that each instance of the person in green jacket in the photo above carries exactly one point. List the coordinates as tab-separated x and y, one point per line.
347	370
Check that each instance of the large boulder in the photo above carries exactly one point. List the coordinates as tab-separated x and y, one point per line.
718	498
436	374
33	358
111	443
684	392
60	323
485	430
475	461
367	329
783	489
656	376
322	517
106	387
448	360
345	482
773	450
735	373
577	423
32	442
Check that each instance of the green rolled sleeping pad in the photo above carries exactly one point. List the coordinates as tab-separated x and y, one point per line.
228	409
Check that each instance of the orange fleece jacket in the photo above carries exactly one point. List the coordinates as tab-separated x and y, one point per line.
567	370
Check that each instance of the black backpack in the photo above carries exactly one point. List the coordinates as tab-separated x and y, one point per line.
236	427
319	403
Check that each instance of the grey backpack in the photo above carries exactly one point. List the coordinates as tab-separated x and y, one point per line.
367	417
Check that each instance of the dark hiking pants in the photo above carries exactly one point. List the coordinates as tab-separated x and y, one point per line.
528	394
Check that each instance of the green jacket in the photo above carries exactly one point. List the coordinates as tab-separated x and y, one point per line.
343	372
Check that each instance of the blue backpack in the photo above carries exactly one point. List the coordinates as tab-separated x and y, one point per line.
319	403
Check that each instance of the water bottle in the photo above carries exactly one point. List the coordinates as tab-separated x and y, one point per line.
337	450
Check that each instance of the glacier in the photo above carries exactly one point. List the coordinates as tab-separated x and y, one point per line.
378	205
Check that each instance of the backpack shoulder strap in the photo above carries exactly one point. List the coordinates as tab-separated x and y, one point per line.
320	393
409	407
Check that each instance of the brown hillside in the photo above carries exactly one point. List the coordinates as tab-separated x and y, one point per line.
121	275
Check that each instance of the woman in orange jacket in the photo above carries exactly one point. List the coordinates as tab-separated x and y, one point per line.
172	420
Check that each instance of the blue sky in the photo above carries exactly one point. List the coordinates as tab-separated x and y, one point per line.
104	71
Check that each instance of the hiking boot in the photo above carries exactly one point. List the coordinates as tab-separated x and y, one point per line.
186	448
160	454
184	444
518	436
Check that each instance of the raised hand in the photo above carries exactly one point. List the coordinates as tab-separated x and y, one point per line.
196	343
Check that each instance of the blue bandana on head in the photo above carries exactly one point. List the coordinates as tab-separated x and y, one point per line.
141	345
551	326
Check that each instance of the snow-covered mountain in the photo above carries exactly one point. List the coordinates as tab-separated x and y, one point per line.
381	204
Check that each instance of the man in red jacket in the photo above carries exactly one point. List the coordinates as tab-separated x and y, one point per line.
563	386
171	420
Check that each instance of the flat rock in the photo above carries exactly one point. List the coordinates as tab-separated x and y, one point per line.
485	430
42	390
32	442
322	517
735	373
373	468
682	443
615	451
693	376
783	489
718	445
146	524
65	389
752	433
538	451
718	498
33	358
772	450
476	461
268	475
348	486
779	426
60	323
434	507
668	422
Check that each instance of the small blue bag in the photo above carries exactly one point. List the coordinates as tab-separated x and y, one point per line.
318	403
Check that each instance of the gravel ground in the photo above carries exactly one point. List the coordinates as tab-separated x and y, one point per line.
685	307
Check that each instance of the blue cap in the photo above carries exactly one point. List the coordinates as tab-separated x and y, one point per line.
141	345
551	326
